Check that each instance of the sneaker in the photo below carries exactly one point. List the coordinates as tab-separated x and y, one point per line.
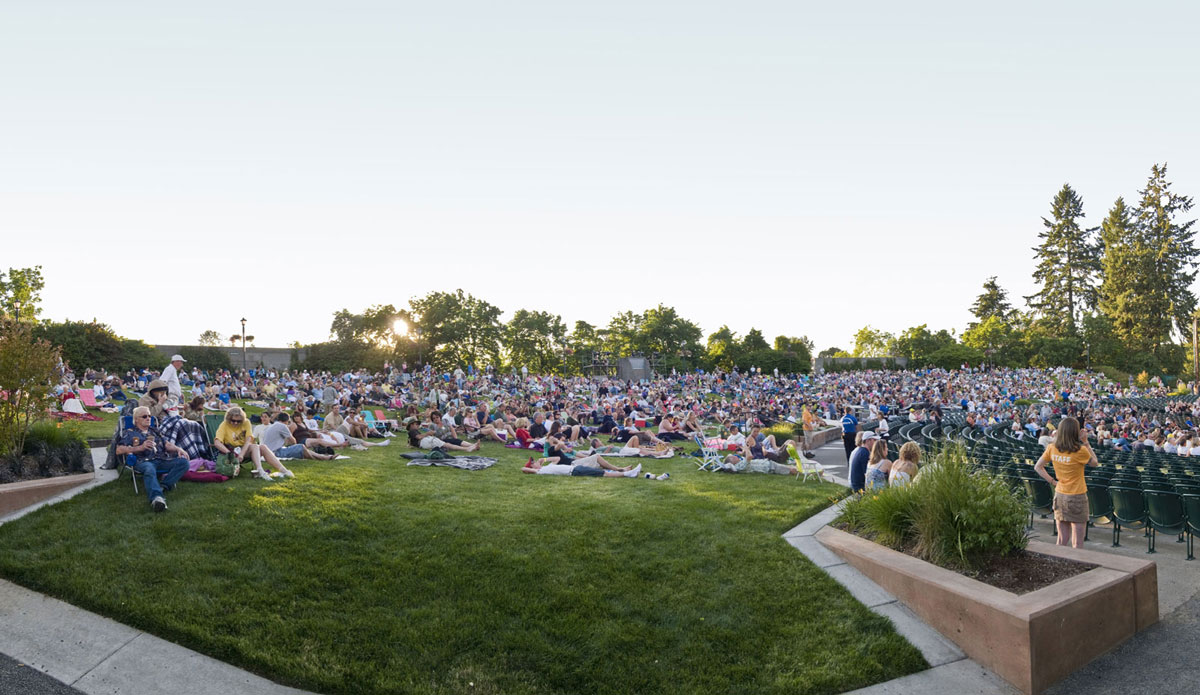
384	442
635	472
159	504
648	476
261	473
664	476
287	473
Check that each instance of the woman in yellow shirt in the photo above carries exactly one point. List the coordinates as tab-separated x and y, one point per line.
1069	453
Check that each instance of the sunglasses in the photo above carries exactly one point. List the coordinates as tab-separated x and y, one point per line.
236	422
142	416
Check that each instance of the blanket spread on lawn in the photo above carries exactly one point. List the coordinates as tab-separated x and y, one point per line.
467	463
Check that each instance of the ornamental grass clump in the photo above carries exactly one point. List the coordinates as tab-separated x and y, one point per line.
955	514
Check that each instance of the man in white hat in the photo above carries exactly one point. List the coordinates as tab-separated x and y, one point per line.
171	376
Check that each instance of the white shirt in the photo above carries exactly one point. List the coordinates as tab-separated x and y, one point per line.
171	376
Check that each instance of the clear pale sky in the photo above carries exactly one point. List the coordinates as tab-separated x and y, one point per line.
802	168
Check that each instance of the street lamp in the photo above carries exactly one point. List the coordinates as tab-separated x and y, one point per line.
17	309
243	343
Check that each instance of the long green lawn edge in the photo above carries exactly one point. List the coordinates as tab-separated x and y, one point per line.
370	576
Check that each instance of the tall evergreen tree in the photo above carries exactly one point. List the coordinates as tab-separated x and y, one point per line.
1172	244
1130	296
992	302
1068	263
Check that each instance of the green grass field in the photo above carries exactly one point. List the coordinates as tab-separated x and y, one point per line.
370	576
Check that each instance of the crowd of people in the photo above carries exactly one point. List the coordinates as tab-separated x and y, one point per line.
574	419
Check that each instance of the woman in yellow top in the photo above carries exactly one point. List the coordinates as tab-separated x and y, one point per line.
1069	453
235	436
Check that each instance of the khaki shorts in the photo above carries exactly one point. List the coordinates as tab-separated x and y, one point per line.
1071	508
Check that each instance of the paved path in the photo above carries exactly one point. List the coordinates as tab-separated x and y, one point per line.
17	678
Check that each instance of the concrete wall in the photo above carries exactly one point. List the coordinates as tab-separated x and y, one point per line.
275	358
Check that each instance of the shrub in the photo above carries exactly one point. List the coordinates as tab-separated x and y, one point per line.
56	435
1115	375
954	514
27	375
1022	401
783	431
50	449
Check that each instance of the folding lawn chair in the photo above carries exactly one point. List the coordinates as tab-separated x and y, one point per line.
369	419
710	458
125	422
382	417
805	467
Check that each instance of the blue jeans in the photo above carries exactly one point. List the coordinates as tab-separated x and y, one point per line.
295	451
150	469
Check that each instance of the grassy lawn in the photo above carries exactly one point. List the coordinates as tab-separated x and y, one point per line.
369	576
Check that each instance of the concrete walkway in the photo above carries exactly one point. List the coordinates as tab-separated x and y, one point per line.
1154	660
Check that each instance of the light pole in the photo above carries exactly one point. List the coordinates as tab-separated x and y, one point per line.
17	309
243	343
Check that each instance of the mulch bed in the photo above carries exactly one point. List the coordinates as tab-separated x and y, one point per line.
1019	573
1024	571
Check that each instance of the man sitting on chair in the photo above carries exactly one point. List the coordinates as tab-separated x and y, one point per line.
153	455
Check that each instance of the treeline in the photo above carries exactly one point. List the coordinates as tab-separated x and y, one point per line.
1117	294
455	329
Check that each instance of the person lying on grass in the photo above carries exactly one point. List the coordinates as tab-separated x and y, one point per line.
305	431
278	439
152	455
235	436
590	467
497	431
426	440
748	462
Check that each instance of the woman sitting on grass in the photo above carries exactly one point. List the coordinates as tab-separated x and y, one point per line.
489	431
691	424
671	430
235	437
194	410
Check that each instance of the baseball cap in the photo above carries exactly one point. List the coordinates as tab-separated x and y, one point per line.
868	436
177	358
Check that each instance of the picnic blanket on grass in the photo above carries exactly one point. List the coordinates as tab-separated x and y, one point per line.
87	417
467	463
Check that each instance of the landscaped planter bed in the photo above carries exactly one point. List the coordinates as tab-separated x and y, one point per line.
21	494
1031	640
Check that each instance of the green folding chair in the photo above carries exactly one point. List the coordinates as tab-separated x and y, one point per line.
1129	509
1164	511
1041	499
1191	513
